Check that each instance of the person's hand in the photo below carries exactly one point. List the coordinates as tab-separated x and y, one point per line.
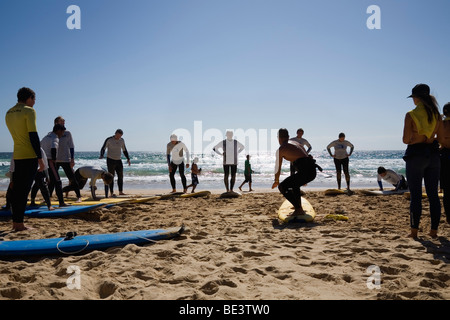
275	184
170	168
41	165
129	162
187	165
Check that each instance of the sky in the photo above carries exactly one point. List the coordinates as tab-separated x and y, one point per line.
201	67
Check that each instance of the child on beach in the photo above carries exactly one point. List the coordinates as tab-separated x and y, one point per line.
195	171
248	174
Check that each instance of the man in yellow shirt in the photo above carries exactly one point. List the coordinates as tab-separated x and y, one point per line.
21	123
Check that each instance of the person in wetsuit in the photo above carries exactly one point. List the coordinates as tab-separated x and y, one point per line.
305	170
21	123
115	146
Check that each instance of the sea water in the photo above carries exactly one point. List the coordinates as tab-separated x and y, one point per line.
149	170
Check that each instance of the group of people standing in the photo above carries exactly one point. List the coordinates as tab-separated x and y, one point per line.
426	133
39	161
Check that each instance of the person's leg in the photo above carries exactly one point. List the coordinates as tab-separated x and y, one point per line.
337	164
54	177
22	180
233	176
173	168
183	177
226	170
71	176
431	180
346	171
414	175
119	171
111	169
445	182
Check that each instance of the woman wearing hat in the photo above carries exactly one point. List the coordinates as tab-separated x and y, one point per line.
422	156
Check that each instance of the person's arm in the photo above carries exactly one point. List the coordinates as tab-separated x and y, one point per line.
380	184
279	161
103	149
309	146
125	152
217	147
408	129
36	144
329	149
352	147
187	155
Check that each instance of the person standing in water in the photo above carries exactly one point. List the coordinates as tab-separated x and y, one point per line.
341	158
422	156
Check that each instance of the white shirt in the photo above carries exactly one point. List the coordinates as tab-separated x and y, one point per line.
176	152
49	142
230	151
65	144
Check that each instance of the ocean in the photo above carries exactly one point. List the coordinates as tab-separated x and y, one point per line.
149	170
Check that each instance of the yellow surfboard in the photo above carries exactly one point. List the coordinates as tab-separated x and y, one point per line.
89	202
286	209
196	194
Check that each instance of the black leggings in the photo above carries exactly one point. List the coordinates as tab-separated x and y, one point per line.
115	166
174	167
40	184
226	169
342	163
445	180
22	180
290	187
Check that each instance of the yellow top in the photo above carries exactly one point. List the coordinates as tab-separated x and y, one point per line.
420	118
20	120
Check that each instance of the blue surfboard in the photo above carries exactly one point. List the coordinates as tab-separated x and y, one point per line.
84	243
43	212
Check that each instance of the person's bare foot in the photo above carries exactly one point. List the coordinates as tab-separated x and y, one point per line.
433	234
298	212
413	233
17	226
122	193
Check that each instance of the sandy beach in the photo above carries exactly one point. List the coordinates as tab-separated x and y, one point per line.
236	249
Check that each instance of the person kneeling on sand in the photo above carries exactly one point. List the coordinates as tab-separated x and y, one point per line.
90	172
305	170
390	176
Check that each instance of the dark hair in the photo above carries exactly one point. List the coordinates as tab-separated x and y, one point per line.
108	178
24	94
57	119
341	135
381	170
57	127
300	130
119	131
283	133
446	109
